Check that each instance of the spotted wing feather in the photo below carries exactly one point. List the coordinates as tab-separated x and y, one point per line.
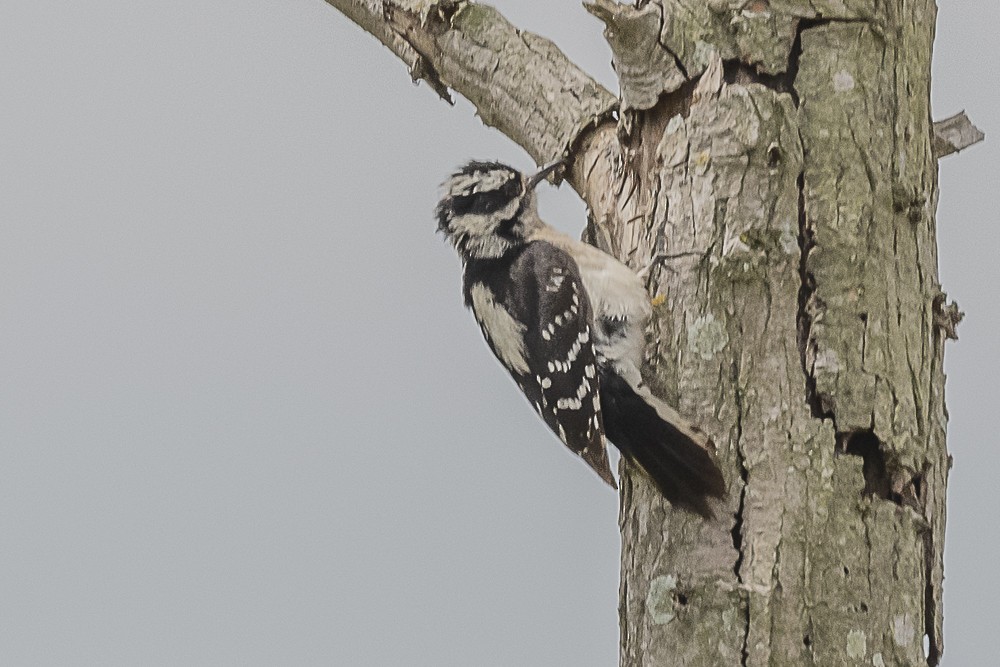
541	290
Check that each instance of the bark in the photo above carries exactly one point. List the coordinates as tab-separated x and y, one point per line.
780	156
955	134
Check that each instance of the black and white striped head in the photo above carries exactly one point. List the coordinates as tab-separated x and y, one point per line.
488	208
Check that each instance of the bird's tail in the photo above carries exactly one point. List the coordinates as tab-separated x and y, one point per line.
675	453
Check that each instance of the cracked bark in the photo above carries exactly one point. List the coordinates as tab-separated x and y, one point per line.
780	155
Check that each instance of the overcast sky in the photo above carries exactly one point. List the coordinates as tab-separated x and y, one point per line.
244	418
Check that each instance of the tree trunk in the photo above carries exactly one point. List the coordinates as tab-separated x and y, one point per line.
780	157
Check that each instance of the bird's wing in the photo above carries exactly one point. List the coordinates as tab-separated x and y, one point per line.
561	378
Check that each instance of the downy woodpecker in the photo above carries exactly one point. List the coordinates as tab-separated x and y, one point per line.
568	323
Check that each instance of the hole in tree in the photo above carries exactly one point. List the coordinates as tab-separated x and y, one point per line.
743	74
773	157
877	481
682	599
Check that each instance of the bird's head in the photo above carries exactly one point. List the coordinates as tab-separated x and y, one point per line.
488	208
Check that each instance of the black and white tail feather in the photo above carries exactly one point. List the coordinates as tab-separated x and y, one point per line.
568	323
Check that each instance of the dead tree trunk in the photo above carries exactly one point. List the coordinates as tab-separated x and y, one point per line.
780	156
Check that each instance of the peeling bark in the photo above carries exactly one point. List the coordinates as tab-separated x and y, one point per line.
955	134
778	155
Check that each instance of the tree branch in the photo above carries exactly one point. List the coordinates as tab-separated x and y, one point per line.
520	83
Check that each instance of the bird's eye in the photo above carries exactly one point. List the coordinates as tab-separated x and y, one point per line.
513	188
461	204
487	201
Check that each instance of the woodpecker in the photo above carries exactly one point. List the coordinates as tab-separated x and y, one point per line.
568	323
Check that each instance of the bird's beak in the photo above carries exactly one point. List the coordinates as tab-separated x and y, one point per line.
545	171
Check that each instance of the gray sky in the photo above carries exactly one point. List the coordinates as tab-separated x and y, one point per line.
244	418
